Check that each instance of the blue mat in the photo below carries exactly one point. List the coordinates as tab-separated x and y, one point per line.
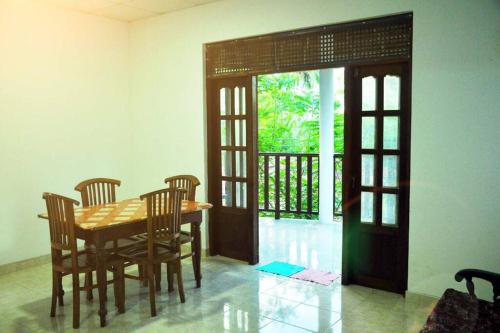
281	268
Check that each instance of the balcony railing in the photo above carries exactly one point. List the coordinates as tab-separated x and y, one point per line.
289	183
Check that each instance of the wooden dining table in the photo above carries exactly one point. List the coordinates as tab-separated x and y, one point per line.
100	224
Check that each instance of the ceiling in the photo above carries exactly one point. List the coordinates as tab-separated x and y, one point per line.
128	10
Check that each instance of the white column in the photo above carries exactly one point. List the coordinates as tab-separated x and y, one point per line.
326	145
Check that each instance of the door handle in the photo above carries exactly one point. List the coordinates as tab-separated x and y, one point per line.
353	182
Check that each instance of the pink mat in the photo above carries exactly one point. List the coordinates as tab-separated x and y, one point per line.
324	278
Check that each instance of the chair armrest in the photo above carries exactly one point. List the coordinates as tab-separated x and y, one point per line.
491	277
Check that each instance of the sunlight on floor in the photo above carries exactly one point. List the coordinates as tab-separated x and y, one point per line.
309	243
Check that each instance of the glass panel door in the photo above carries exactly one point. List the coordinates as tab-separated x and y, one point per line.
232	230
377	167
233	143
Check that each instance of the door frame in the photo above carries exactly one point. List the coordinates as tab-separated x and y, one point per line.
215	60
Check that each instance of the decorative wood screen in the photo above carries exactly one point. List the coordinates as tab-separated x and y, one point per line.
381	39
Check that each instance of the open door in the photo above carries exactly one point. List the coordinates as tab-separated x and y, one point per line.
233	230
376	176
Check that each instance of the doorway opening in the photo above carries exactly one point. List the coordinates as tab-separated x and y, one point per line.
300	146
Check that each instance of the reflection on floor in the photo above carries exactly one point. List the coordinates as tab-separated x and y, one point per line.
307	243
234	297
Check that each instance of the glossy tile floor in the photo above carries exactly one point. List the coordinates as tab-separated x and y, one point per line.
234	298
309	243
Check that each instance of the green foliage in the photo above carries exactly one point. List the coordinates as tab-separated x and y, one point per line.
289	112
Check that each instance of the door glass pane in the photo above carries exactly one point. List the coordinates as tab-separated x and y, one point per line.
367	207
241	195
368	93
389	209
227	193
368	132
225	101
390	171
391	132
240	132
367	169
225	132
241	164
391	92
239	101
226	163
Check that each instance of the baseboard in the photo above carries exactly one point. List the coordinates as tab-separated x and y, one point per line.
410	295
23	264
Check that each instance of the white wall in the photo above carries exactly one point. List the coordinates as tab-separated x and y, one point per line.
454	218
63	114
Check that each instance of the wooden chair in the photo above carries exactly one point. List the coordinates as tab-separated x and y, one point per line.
62	239
163	239
97	191
100	191
188	183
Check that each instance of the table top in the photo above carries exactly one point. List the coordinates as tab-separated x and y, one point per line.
121	212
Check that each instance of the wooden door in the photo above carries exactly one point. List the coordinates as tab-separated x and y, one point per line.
233	230
377	176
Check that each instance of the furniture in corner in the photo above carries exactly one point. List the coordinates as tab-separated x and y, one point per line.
461	312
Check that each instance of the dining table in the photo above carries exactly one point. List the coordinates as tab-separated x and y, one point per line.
99	224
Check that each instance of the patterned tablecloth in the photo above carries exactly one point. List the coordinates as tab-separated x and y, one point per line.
126	211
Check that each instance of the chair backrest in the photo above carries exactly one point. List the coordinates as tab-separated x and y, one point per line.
98	191
186	182
61	221
164	215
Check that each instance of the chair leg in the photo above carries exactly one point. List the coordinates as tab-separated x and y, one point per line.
141	272
170	277
151	280
122	283
193	261
88	276
119	287
145	275
60	290
180	284
116	286
55	293
158	277
76	301
88	283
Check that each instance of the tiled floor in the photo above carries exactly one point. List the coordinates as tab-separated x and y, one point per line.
308	243
234	298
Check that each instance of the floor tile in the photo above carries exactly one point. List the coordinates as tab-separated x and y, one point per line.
277	326
311	318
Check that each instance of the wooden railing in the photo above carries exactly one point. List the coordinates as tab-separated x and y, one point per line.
295	178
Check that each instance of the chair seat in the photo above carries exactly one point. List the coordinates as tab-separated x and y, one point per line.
460	312
139	253
122	243
184	239
85	262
